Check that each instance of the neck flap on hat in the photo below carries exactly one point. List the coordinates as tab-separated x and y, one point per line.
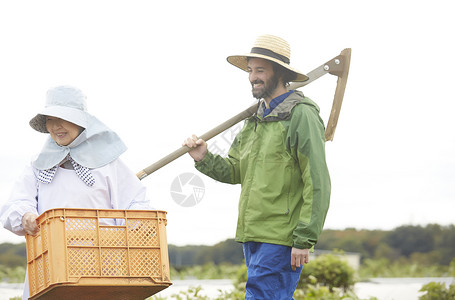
46	176
95	147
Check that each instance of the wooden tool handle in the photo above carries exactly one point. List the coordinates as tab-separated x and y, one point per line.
206	136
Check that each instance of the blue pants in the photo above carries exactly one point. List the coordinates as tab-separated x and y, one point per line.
270	275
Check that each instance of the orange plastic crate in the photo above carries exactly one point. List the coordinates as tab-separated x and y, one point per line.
98	254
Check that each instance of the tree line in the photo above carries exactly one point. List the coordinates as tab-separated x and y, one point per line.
431	243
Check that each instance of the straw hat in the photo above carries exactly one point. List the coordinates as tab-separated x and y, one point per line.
268	47
64	102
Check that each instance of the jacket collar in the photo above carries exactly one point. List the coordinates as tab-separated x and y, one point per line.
284	109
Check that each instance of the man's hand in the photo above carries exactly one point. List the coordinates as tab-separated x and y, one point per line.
299	257
199	147
29	223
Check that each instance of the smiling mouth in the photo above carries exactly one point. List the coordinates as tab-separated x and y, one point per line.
257	85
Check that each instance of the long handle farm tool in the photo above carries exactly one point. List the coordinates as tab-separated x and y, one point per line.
338	66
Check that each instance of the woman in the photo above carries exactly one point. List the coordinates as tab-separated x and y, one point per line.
78	167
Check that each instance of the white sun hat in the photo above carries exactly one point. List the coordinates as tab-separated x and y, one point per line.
96	146
64	102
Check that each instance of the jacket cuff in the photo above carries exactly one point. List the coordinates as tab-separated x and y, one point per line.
204	162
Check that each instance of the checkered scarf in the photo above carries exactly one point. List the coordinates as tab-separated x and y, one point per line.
46	176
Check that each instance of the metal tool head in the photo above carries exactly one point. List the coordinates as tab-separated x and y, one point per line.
338	66
344	62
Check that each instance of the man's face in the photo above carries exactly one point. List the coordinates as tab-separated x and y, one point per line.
262	77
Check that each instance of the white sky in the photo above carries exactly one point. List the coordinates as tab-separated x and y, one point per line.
156	72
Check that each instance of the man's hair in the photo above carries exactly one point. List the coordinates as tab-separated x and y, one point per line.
281	72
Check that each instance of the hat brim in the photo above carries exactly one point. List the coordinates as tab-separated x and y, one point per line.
240	61
73	115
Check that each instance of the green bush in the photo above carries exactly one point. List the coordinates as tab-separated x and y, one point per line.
206	271
402	267
452	268
327	277
437	291
12	275
329	270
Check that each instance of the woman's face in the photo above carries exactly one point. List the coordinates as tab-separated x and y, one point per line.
62	132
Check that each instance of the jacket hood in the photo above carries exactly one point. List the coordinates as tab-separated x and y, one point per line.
284	109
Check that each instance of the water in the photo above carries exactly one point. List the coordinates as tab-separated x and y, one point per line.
210	287
10	290
381	288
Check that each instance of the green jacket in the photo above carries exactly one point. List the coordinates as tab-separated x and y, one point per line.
280	162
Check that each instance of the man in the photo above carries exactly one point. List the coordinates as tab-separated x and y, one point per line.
279	160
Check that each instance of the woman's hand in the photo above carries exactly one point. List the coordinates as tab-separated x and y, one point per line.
29	223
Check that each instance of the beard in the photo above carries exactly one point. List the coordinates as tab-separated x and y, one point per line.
267	88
